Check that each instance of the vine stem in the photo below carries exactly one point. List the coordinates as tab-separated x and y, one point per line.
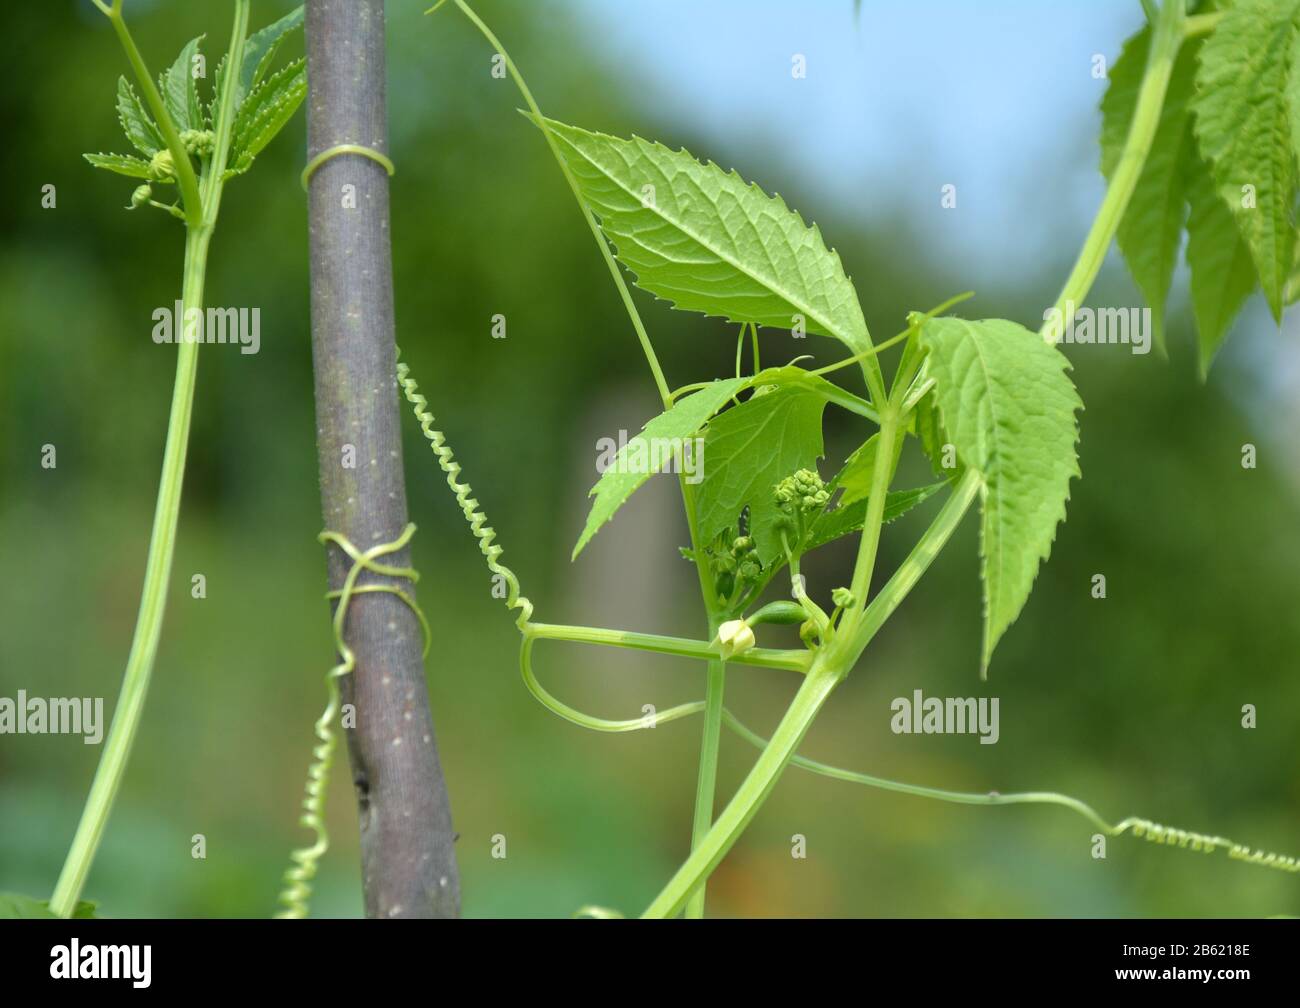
682	647
153	598
822	678
706	781
1168	37
644	337
201	212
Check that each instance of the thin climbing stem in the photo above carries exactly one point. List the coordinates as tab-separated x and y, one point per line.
200	217
1168	37
707	778
682	647
822	678
153	599
646	346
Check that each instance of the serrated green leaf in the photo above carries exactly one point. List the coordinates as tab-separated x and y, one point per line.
123	164
1293	92
268	107
136	123
1149	233
16	906
179	92
260	49
1223	273
1008	405
849	518
1243	126
708	241
747	451
644	455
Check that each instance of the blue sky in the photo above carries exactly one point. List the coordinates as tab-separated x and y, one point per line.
996	98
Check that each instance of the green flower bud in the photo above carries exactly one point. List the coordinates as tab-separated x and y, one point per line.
843	598
198	142
141	196
780	611
161	166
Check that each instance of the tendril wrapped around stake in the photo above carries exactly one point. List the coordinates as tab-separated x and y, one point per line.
296	895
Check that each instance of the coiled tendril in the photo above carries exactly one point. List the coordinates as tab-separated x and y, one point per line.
1156	833
478	525
296	894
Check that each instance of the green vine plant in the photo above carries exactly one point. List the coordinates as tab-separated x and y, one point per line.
188	145
1201	127
989	402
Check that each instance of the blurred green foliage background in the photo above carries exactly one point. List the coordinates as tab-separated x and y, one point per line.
1131	703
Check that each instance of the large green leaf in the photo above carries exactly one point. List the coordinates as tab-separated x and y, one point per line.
1243	126
136	123
1008	406
1223	274
747	451
708	241
1150	230
639	459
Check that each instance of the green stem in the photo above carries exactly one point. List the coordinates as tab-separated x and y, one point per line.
751	794
682	647
920	791
880	478
153	598
200	216
707	778
917	562
647	348
1168	36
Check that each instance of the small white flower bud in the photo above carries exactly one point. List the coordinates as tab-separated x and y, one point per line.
735	636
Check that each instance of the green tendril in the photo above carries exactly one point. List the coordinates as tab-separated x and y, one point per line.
1141	828
478	525
590	721
296	894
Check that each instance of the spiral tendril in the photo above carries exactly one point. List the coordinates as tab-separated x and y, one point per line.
295	897
1156	833
1144	829
478	525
